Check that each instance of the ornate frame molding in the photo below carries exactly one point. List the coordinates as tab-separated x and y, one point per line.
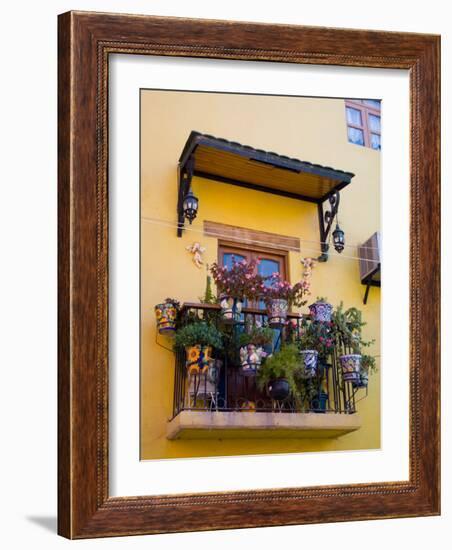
85	42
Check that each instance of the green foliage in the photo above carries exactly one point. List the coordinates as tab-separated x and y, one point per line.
317	336
368	363
282	364
259	336
347	326
201	333
208	297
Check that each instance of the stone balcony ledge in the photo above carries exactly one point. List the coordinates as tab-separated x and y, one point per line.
267	425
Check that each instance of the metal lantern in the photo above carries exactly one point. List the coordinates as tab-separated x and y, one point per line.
338	239
190	206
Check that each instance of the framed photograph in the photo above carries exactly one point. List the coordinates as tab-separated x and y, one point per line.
248	275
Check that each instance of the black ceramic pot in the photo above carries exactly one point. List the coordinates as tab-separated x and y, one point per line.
279	389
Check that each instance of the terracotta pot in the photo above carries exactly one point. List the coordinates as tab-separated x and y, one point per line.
310	361
279	389
251	359
277	312
197	358
351	367
321	312
166	315
231	309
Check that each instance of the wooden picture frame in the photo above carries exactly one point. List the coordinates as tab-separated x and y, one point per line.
86	40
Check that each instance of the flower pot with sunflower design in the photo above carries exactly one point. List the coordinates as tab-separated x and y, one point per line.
166	314
198	358
351	367
277	310
231	309
310	358
321	312
251	358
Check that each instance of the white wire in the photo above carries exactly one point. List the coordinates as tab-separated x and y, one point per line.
174	224
169	224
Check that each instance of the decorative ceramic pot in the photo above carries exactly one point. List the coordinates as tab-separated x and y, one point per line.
310	361
198	358
231	309
166	315
206	385
249	406
277	312
321	312
351	367
214	371
363	380
318	404
279	389
251	359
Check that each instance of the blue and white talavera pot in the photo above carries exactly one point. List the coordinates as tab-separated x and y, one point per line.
310	361
277	311
363	379
231	309
321	312
351	367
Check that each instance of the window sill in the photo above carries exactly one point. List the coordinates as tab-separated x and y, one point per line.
268	425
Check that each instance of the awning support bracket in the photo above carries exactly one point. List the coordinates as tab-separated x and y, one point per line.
184	177
326	219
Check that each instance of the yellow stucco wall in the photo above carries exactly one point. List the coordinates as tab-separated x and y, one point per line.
305	128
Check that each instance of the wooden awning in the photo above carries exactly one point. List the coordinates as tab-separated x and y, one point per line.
242	165
231	162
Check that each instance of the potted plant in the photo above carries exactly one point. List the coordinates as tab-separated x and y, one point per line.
203	390
198	339
368	365
321	311
234	285
319	402
280	296
279	372
166	315
252	345
348	326
317	344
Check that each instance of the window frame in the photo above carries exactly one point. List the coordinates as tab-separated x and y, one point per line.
253	253
365	110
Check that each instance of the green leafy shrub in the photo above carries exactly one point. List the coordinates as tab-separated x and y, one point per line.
201	333
284	363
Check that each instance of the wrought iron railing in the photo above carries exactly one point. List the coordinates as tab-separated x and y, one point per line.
225	387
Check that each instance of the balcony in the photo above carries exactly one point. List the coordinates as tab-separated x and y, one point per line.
225	402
